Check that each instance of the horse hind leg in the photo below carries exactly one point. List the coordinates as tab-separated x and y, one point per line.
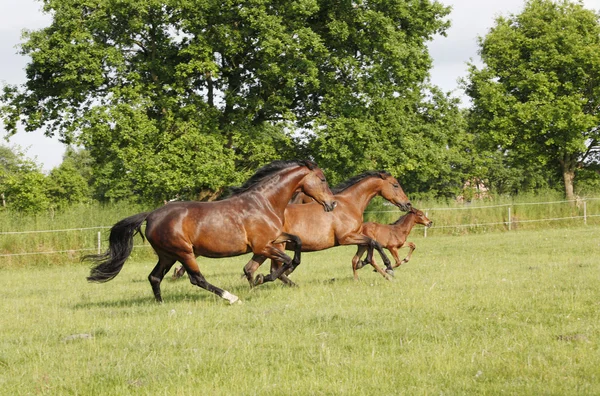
158	273
196	278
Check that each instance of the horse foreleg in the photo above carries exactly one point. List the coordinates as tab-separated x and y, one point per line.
356	262
251	267
283	278
292	241
405	260
158	273
278	255
196	278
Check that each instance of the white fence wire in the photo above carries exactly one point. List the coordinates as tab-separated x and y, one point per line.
510	221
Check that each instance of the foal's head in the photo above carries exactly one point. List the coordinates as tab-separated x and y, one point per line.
420	217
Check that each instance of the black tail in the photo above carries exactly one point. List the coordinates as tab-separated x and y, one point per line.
109	264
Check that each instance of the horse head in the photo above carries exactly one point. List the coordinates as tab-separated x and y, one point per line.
314	184
420	217
392	191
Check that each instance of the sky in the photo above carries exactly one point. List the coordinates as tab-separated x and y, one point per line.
469	18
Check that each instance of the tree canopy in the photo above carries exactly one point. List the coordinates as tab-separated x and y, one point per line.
185	97
536	100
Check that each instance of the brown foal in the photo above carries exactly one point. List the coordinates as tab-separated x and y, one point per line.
392	237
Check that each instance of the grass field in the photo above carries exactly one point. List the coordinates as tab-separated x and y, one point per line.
515	313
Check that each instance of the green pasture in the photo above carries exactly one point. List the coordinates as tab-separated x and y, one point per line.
509	312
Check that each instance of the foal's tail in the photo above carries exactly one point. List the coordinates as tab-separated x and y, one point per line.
109	264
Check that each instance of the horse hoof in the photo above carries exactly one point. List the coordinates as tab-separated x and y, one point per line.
258	280
230	297
390	272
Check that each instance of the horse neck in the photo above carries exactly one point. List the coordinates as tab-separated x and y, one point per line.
361	193
280	188
406	223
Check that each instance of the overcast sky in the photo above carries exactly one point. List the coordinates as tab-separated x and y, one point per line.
470	19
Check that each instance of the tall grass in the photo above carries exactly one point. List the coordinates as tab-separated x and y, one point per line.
74	232
450	218
527	212
513	313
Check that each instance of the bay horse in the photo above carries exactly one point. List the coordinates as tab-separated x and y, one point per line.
319	230
249	220
392	237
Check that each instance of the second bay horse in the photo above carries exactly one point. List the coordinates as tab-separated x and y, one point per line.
392	237
249	220
319	230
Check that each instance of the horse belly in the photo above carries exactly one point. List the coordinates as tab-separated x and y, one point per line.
220	242
314	238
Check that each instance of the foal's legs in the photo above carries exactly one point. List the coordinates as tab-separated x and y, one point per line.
158	273
371	244
411	246
358	264
191	267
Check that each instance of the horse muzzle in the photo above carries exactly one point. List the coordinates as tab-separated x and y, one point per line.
329	206
429	224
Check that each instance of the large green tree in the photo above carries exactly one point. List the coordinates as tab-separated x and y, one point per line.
420	137
537	97
184	96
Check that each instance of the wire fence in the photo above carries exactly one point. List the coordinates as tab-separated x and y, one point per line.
503	215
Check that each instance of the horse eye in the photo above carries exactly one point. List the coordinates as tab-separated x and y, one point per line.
396	185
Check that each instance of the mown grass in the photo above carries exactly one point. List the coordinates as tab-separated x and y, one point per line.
513	313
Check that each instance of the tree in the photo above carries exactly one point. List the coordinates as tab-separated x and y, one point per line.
189	96
537	99
22	184
420	137
69	183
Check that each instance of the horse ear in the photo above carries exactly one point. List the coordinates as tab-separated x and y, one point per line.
310	164
383	174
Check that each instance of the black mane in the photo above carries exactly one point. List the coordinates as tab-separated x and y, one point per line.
266	172
355	179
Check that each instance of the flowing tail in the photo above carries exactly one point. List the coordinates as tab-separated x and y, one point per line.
109	264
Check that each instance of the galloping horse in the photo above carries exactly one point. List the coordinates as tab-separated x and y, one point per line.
319	230
249	220
392	237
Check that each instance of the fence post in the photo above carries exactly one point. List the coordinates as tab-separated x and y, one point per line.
509	220
585	212
99	239
425	228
